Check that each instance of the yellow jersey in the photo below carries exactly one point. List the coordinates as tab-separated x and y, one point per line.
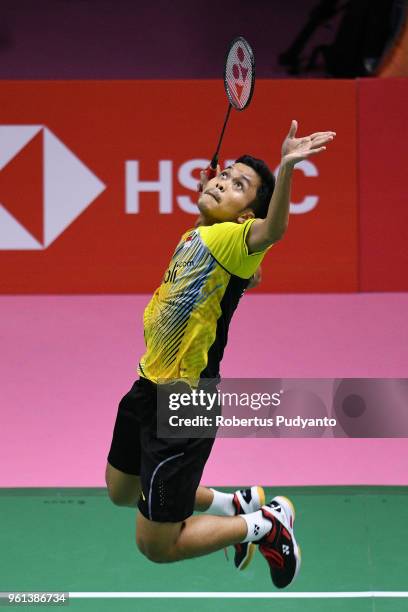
186	321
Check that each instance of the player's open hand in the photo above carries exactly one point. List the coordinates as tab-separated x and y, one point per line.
295	149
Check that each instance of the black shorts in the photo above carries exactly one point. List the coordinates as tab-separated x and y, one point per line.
170	468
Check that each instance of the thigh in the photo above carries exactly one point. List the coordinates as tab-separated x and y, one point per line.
124	489
171	471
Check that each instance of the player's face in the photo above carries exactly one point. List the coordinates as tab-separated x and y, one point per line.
227	196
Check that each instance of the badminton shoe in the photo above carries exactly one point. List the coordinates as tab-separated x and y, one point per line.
279	546
246	501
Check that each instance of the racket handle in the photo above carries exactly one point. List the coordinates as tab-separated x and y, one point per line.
210	172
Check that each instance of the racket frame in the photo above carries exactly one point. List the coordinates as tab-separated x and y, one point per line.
211	170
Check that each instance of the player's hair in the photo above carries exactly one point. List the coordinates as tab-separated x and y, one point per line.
265	190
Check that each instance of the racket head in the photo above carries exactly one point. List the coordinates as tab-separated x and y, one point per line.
239	73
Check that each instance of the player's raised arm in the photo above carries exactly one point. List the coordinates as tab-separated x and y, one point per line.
265	232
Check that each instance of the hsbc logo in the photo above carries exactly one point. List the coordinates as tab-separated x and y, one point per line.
44	187
187	177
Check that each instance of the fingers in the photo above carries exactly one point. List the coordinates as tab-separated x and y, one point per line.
318	134
320	140
293	128
203	181
309	153
314	151
204	178
209	172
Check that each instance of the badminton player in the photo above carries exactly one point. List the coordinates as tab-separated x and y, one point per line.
242	214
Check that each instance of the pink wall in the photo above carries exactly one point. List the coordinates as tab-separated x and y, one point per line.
65	362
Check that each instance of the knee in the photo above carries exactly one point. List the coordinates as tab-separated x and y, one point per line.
158	556
122	490
121	499
153	552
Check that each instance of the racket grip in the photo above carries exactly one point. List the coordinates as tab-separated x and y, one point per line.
210	172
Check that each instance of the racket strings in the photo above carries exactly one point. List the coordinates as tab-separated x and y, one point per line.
239	74
239	81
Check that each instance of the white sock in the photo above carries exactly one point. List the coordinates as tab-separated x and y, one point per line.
257	525
222	504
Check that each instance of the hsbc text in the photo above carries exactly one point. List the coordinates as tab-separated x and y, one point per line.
163	186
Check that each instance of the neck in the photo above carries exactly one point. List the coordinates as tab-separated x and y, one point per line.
203	221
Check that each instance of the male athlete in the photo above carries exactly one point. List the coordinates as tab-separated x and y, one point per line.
242	213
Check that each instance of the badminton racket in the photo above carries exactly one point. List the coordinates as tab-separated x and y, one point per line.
239	82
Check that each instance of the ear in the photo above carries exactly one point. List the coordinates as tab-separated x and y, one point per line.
245	215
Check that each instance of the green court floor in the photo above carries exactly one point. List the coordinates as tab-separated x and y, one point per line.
353	539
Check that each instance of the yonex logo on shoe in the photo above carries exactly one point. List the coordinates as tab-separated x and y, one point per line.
285	549
247	495
256	529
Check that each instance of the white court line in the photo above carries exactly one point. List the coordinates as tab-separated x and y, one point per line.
240	595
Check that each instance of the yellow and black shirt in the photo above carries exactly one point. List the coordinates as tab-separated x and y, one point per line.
186	321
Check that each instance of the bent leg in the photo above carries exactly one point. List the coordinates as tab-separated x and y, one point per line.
124	489
203	499
196	536
216	502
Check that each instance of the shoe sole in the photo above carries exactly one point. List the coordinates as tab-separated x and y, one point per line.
252	547
285	502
